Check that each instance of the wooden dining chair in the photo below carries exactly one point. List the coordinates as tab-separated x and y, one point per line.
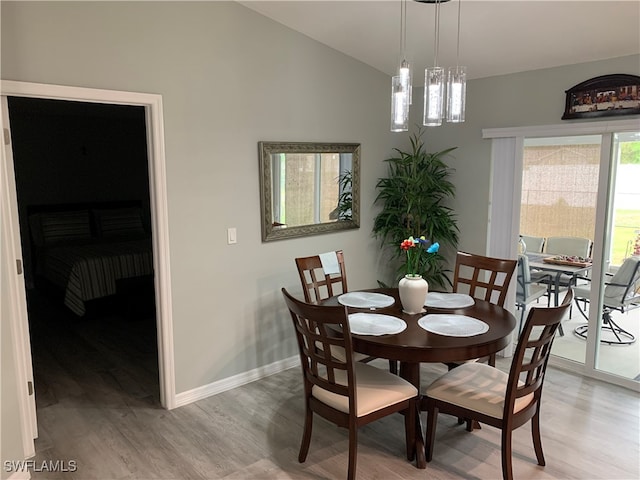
316	285
488	395
347	393
486	278
483	277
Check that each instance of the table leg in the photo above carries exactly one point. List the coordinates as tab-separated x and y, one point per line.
411	373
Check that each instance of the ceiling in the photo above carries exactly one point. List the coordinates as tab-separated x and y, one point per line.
496	37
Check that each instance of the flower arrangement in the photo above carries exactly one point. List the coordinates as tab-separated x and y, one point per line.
418	250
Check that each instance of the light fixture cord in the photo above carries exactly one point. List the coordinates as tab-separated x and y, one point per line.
404	28
437	34
458	46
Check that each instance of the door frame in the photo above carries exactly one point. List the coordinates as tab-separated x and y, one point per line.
152	104
503	231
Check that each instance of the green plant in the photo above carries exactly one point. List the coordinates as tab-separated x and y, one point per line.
345	199
412	198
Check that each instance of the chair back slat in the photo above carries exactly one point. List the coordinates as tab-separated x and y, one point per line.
530	360
483	277
317	286
318	328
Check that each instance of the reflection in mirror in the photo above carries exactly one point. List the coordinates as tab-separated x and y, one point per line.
308	188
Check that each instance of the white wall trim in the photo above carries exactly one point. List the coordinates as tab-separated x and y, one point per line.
18	322
564	129
159	204
238	380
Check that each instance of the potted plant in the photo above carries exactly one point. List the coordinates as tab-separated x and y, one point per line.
413	199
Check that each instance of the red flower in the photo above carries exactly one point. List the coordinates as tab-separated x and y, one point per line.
407	244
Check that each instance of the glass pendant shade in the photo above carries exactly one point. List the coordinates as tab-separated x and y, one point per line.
399	104
433	96
456	94
405	76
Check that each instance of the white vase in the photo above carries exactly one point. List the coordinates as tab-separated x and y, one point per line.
413	293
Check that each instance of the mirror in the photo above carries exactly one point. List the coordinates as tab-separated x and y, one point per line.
308	188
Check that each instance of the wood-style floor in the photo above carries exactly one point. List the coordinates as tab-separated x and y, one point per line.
98	404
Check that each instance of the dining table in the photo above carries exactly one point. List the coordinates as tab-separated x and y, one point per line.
557	268
419	343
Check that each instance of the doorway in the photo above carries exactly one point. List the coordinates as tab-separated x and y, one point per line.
152	105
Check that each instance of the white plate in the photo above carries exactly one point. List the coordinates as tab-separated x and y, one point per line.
365	300
453	325
448	300
375	324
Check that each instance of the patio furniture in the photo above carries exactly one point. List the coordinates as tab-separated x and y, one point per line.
621	293
527	290
533	244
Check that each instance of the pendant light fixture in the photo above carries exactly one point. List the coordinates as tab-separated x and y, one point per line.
444	90
456	85
401	84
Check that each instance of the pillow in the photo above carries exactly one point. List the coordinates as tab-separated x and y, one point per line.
59	227
119	222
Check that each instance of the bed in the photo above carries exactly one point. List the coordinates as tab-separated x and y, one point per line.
84	250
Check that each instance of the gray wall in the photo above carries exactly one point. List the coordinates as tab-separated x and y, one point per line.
522	99
230	78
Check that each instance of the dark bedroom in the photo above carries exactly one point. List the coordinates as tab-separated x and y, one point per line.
82	186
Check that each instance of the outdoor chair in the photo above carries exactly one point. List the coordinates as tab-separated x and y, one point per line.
621	293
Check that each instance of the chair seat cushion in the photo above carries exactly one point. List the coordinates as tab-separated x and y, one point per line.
476	386
375	389
582	291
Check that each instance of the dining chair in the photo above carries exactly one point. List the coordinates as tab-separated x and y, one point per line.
347	393
532	244
486	278
621	293
318	285
502	400
528	290
571	246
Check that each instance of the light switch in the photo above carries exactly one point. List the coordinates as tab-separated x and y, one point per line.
231	236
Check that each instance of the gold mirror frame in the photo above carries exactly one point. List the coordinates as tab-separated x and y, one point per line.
271	232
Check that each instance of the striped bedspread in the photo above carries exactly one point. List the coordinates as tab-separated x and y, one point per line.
86	272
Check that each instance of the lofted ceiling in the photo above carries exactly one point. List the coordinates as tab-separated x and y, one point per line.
496	37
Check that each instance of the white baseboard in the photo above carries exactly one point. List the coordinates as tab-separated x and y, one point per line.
220	386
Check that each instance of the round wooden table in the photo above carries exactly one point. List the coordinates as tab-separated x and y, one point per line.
415	345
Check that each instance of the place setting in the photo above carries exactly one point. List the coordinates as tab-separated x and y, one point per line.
375	324
453	325
448	300
370	300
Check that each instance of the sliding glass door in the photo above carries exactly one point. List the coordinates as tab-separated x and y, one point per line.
585	189
560	178
618	315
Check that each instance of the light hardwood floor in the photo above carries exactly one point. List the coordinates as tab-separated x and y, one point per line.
97	400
